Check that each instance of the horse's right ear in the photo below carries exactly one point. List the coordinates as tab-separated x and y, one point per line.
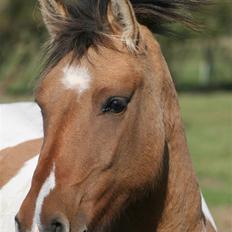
53	12
122	14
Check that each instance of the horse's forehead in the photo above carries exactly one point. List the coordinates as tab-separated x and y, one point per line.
65	76
109	70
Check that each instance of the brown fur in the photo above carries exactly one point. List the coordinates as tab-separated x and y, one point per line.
12	159
115	172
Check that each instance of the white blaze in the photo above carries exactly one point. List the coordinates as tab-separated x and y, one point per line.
76	78
45	190
206	212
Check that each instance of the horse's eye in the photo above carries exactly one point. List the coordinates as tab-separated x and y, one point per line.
115	105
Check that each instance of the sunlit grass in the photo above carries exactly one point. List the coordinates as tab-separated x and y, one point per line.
208	123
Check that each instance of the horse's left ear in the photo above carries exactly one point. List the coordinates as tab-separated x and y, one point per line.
53	12
122	18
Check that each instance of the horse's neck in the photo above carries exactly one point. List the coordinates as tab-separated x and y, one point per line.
175	203
182	209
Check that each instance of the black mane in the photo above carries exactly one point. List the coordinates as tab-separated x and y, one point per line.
157	15
88	26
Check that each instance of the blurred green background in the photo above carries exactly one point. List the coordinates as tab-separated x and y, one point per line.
200	63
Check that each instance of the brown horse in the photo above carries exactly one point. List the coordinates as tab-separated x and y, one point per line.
114	156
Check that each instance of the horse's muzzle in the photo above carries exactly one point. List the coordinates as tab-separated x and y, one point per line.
56	225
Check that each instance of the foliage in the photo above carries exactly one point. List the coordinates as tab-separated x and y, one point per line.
21	36
196	60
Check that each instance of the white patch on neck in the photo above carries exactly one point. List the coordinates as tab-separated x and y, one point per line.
19	122
45	190
76	78
206	212
13	193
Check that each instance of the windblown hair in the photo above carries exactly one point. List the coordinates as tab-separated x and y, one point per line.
87	23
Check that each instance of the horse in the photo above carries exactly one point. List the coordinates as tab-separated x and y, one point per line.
114	156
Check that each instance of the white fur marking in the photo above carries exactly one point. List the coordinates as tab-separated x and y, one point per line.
45	190
36	229
77	78
206	212
13	193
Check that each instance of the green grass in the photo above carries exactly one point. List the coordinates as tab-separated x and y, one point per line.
208	123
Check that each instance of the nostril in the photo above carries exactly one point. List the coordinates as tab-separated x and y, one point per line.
57	226
17	224
84	229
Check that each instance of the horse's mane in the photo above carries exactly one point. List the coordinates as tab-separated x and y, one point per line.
88	26
157	15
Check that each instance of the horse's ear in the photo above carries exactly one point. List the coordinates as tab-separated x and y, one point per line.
122	18
53	12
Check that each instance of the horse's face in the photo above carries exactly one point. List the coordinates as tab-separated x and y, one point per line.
104	139
100	123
